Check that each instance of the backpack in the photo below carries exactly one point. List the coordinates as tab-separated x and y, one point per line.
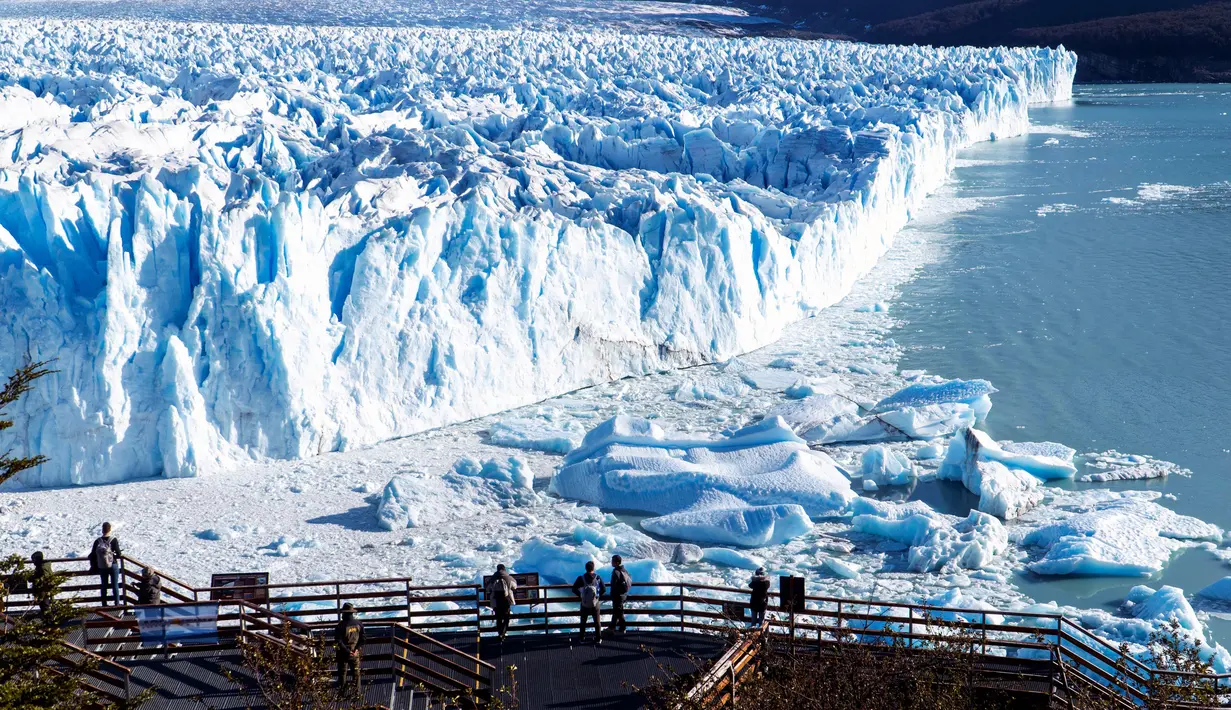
500	591
621	581
102	554
589	593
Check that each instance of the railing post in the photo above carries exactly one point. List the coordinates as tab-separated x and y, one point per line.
910	626
983	625
124	580
681	607
838	633
337	599
408	603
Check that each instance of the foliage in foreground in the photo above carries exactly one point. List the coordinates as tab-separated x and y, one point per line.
32	644
894	674
18	384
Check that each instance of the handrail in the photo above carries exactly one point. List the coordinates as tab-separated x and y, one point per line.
889	614
425	637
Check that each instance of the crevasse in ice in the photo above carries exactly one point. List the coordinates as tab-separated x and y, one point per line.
245	242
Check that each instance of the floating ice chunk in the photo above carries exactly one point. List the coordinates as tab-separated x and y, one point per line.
400	504
973	444
843	569
1118	536
936	541
210	534
870	485
286	546
1165	605
534	435
724	389
1040	448
1129	467
598	538
772	380
929	452
723	519
886	467
556	564
873	308
512	470
730	558
1218	591
834	545
761	483
815	417
680	553
972	392
1004	492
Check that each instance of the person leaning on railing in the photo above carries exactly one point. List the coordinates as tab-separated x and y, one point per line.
42	586
149	589
759	599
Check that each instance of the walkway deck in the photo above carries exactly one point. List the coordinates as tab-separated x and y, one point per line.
552	672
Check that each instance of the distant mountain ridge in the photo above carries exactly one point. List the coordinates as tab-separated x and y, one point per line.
1130	40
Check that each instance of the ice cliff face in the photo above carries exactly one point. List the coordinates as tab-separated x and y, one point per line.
248	241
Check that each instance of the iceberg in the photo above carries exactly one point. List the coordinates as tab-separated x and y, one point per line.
1004	492
936	541
886	467
758	486
272	242
732	558
1121	535
680	553
975	393
532	434
399	505
972	445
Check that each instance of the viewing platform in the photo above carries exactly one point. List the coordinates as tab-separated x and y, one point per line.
425	644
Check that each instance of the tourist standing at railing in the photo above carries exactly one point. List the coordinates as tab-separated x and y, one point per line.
149	589
105	562
589	589
500	593
759	584
348	638
621	584
41	584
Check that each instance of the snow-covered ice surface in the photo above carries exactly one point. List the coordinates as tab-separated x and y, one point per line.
246	242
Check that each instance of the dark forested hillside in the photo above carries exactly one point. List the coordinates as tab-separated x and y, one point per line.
1125	40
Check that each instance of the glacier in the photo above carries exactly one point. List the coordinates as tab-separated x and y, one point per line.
247	242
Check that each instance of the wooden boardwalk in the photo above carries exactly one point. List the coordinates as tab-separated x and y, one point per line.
548	671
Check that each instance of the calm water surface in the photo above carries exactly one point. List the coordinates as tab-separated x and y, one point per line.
1093	288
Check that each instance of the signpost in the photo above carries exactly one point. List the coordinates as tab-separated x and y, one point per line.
791	598
521	595
183	624
251	586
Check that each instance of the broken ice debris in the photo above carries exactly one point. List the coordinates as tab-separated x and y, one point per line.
758	486
936	541
1119	535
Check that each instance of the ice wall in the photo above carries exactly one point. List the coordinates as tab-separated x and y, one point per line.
243	242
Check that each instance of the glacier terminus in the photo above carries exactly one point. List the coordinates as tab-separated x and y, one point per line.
241	243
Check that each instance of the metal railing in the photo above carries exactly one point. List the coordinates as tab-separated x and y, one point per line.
311	607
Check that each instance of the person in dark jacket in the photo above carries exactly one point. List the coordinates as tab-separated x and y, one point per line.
348	639
41	587
621	585
589	589
500	593
105	562
149	589
759	584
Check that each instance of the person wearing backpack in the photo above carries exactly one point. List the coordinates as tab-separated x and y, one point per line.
500	594
759	601
589	589
621	584
105	562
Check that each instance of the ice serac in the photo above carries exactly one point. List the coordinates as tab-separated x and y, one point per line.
360	233
759	486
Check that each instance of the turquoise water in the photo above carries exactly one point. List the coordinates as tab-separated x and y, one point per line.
1092	286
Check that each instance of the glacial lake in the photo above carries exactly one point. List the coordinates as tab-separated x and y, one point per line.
1092	286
